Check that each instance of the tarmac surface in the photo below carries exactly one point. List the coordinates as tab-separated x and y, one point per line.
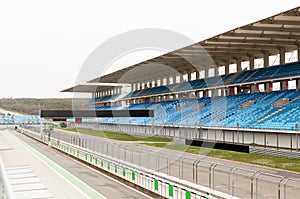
37	171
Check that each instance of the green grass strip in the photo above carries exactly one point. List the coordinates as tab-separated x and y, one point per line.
118	136
288	164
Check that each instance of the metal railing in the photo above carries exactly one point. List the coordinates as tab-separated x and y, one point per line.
235	182
7	192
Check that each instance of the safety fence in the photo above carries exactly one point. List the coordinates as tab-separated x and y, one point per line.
5	189
197	173
151	181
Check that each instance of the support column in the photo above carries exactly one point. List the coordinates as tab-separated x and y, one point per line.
266	60
205	93
214	92
231	91
226	67
298	84
189	75
282	56
226	92
238	64
298	53
197	74
180	77
269	87
251	62
252	88
206	72
283	85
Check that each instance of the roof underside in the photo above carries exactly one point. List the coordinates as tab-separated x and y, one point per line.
267	36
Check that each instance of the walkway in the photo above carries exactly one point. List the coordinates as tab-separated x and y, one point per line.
55	174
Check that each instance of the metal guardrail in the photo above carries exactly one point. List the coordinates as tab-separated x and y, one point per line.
152	181
6	187
232	181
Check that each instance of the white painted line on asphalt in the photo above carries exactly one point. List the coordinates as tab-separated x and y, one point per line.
79	185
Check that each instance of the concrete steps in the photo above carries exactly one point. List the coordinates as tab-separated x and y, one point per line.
269	115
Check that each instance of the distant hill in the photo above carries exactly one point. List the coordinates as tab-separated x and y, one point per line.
32	106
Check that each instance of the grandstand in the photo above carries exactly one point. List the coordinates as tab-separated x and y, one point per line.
9	119
236	94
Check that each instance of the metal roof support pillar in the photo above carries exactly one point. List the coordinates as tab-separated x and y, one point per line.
298	53
251	62
189	75
197	74
266	60
282	56
206	72
226	67
284	85
298	84
238	64
268	87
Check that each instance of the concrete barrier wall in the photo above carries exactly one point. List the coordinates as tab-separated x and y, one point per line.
274	139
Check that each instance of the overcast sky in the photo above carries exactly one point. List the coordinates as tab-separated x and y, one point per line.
43	43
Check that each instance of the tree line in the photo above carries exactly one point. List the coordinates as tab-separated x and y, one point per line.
32	106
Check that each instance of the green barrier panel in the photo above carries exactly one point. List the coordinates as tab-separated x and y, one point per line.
170	190
155	184
101	163
91	158
187	195
116	169
86	156
77	153
124	172
108	166
96	160
133	175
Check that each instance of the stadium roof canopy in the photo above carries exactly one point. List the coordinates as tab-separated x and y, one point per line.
267	36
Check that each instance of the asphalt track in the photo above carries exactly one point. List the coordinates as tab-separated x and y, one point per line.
63	176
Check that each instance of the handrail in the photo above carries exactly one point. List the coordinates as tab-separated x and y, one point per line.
6	185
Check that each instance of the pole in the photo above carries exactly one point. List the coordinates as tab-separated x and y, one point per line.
152	125
238	131
41	127
297	142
